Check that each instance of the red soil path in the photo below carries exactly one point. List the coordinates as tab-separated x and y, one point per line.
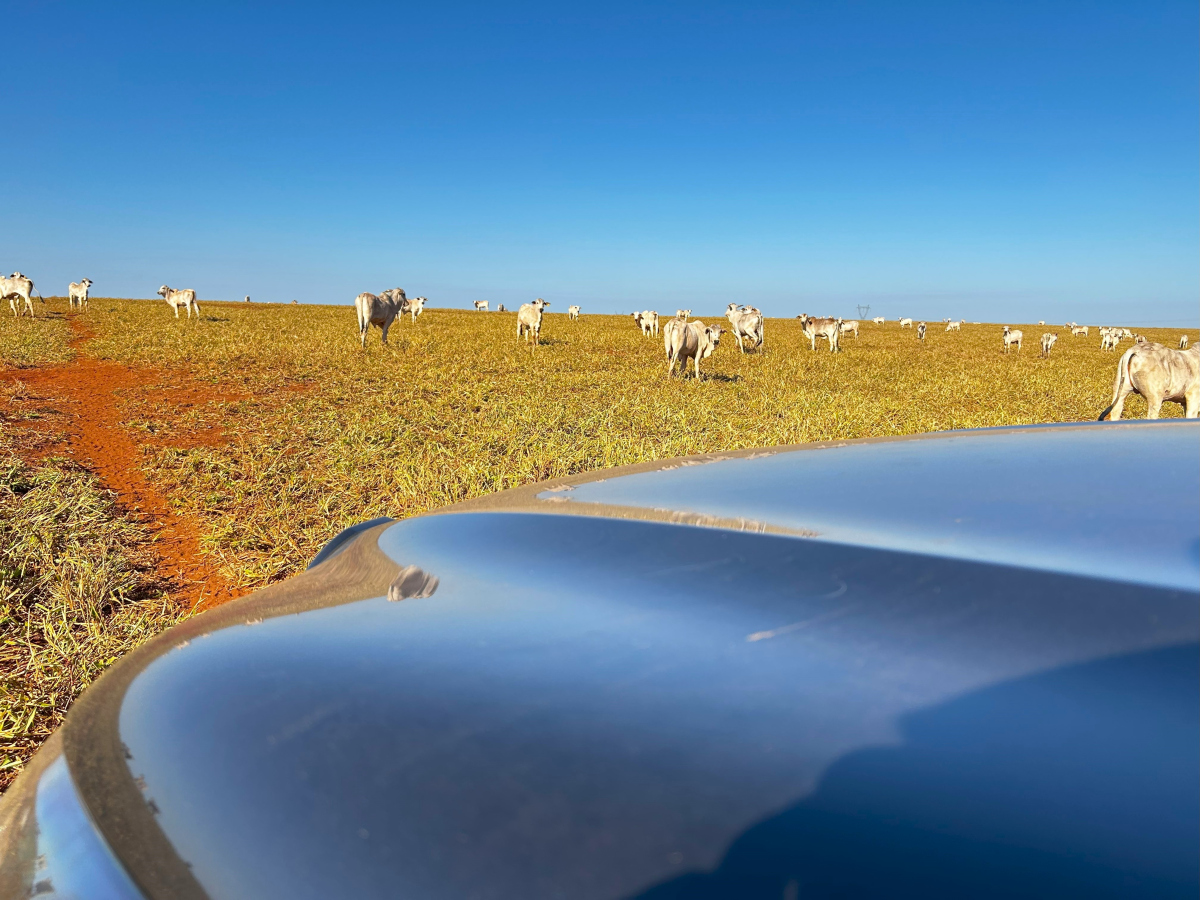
86	392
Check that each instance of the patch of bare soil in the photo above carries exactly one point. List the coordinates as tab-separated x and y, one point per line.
76	412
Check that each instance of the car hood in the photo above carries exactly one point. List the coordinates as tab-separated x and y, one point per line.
959	664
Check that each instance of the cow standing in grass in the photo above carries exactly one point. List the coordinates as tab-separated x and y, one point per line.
1012	336
17	287
920	331
1183	342
380	311
1159	374
77	293
684	340
906	321
647	320
573	313
481	306
185	298
1048	342
826	327
747	324
1079	331
879	320
954	326
529	320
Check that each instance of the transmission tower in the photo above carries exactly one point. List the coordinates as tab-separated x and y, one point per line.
864	312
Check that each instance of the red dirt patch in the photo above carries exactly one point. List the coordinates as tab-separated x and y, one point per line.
81	399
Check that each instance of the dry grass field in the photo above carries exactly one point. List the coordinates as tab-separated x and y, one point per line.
149	466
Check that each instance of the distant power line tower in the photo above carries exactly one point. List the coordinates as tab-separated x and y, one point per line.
864	312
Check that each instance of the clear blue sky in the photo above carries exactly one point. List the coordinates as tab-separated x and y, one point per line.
998	161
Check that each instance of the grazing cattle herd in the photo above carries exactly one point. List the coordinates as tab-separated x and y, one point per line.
1156	372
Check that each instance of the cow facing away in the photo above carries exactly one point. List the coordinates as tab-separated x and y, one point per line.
1048	342
17	287
1109	339
77	293
747	325
379	311
904	322
685	340
1159	374
175	299
1183	342
573	313
1012	336
529	320
827	328
920	331
481	306
501	308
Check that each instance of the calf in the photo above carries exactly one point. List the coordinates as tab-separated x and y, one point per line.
685	340
921	331
77	293
18	287
481	305
185	298
1048	341
907	322
573	313
416	306
747	325
1159	374
529	320
828	328
379	311
954	326
1012	337
850	326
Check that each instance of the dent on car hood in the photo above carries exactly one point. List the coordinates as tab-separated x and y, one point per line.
609	705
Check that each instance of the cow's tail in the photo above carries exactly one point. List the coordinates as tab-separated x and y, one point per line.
1121	380
39	295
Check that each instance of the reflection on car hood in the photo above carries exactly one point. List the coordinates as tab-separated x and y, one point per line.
594	698
1108	502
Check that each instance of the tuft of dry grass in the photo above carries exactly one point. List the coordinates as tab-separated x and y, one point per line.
75	594
33	342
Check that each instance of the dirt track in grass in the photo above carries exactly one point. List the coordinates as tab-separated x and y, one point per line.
74	409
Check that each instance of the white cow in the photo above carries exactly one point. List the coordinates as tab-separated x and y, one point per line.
416	306
77	293
1048	342
683	314
1183	342
954	326
501	308
481	305
878	320
1109	340
1079	331
247	298
685	340
1042	322
647	320
828	328
175	299
380	311
529	320
1126	333
747	324
920	331
573	313
850	326
1159	374
907	322
1012	337
18	287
